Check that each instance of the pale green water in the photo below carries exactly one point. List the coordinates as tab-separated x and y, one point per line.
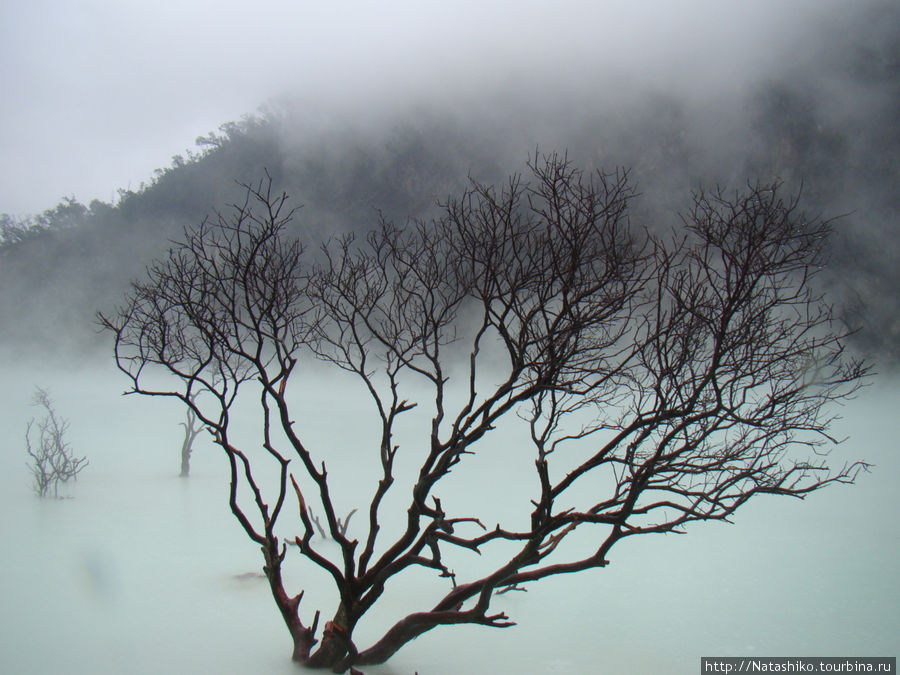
134	573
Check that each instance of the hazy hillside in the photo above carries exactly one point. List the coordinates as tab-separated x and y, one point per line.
827	119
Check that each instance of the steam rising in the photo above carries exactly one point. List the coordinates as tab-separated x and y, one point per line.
364	107
99	95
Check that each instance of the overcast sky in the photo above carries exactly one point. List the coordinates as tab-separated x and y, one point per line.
98	93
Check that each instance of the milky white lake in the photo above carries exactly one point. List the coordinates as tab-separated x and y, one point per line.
138	571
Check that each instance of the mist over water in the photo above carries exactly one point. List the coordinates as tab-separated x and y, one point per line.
99	95
139	571
371	112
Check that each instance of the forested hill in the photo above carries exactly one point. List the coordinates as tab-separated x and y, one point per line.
828	120
58	268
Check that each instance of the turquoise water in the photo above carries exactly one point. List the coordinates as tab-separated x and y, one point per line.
139	571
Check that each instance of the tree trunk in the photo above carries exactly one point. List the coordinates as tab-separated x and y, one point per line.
185	459
303	637
336	642
190	435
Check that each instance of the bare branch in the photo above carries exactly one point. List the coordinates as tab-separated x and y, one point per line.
661	381
52	459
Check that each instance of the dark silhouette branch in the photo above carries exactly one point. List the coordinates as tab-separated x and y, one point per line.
52	460
685	375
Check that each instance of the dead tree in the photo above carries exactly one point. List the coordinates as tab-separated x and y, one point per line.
52	459
672	373
191	431
342	524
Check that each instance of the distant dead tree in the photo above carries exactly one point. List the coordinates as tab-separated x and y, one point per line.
659	381
52	460
342	525
191	431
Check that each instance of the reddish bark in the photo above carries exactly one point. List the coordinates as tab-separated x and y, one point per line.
691	375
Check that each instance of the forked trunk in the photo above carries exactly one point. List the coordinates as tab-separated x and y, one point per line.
303	637
336	643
